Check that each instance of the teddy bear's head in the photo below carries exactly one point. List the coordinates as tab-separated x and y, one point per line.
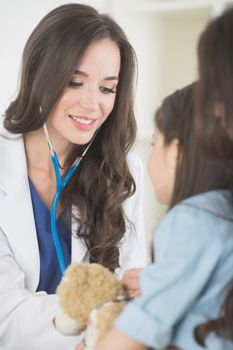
83	288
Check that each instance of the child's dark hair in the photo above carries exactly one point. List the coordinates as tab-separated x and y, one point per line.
195	173
215	125
214	100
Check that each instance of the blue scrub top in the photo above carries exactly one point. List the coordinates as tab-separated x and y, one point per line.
50	274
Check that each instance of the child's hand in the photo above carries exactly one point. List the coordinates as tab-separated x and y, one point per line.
131	281
79	347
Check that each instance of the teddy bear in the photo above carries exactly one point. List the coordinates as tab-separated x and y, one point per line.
90	298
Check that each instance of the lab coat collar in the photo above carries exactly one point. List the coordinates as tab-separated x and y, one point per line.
13	161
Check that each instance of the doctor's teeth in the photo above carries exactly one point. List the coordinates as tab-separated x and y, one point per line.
81	120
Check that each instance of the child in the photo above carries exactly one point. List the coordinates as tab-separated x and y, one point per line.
188	282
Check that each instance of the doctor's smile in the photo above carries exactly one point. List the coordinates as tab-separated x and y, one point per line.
82	123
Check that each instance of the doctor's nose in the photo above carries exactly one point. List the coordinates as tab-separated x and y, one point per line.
89	99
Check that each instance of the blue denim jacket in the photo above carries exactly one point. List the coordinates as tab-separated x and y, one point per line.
187	283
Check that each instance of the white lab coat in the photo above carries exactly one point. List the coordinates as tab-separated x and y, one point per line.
26	315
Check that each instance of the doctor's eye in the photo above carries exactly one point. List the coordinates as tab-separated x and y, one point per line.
75	84
106	90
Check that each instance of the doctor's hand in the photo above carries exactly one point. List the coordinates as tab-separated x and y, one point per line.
131	281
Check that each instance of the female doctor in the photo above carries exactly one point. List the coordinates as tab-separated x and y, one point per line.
75	103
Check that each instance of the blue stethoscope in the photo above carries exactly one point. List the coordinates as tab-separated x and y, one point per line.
60	185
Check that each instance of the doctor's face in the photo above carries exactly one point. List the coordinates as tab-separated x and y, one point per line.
89	98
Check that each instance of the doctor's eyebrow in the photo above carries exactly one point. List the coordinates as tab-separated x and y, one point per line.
79	72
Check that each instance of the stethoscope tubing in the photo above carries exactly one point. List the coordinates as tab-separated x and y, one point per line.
60	186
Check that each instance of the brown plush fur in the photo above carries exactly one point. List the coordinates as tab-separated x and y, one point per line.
85	286
106	318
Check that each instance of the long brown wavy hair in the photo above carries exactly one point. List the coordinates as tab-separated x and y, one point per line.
196	173
103	180
215	125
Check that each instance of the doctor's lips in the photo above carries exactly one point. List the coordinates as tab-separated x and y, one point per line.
82	119
82	122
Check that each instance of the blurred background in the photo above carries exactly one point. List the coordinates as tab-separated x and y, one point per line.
164	34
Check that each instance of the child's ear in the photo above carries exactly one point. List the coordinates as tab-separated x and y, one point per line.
174	154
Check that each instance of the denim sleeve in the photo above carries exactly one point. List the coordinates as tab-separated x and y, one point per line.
187	252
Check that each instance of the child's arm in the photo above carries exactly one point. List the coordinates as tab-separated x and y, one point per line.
188	252
116	340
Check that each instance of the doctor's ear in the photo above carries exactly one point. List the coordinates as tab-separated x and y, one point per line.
174	155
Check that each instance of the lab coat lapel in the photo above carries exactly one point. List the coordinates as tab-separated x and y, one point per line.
79	248
16	212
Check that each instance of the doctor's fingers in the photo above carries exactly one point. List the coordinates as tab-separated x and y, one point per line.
131	274
131	279
134	293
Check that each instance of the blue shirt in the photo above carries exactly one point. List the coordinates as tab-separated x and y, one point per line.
50	274
188	282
